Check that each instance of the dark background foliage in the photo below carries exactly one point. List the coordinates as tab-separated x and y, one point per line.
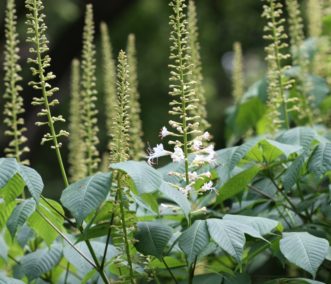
221	22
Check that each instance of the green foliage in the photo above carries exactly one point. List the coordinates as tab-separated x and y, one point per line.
208	216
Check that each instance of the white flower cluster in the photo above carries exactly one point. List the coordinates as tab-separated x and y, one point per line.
202	155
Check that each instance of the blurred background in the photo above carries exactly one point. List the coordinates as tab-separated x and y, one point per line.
221	23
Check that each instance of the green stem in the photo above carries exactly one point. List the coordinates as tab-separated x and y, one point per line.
183	99
191	271
279	67
125	234
169	270
44	93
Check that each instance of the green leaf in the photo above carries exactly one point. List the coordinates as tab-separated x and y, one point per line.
194	240
145	177
320	161
7	280
5	212
292	174
228	236
237	183
302	136
32	180
152	238
262	225
208	278
304	250
8	168
3	249
176	196
20	214
79	262
41	261
13	188
40	226
85	196
293	281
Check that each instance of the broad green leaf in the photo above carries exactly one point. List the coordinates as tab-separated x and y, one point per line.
262	225
292	173
172	262
194	240
293	281
176	196
240	278
152	238
242	150
3	249
32	180
79	262
320	161
304	250
85	196
228	236
20	214
8	280
41	226
5	212
207	279
145	177
302	136
41	261
237	183
13	188
8	168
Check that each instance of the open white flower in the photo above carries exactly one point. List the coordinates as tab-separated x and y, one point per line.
186	190
157	152
164	132
197	144
193	176
178	154
207	186
206	136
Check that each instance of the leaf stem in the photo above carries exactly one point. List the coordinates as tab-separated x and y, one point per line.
169	270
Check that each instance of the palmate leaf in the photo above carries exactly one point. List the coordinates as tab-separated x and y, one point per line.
292	173
228	236
302	136
11	185
194	240
320	162
85	196
237	183
79	262
20	214
176	196
41	226
41	261
152	238
3	249
145	178
32	180
8	280
304	250
13	188
5	212
293	281
8	168
262	225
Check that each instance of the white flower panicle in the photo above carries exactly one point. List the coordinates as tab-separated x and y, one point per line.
13	108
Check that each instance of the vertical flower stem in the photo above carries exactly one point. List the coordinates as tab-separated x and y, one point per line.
45	97
125	234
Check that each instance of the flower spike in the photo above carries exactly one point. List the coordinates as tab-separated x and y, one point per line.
121	124
13	108
40	61
137	145
76	147
89	92
238	73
